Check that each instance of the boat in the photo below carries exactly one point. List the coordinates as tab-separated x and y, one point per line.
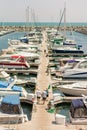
11	110
66	50
73	88
78	71
69	64
78	112
8	87
4	76
18	63
69	42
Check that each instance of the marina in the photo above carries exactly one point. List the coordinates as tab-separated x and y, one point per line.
42	117
43	65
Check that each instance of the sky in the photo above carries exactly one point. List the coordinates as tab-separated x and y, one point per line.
42	10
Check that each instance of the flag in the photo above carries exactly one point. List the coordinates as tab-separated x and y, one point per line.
52	110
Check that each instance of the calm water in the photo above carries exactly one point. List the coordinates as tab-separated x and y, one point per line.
63	109
4	39
40	24
81	39
27	109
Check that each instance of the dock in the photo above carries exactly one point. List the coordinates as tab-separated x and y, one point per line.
32	71
41	119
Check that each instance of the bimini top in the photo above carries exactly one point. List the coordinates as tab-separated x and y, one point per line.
11	99
78	103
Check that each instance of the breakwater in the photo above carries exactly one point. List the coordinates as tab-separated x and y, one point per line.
80	29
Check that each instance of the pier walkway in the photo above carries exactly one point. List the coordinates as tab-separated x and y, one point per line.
41	119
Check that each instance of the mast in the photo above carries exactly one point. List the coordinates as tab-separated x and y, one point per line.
27	16
65	19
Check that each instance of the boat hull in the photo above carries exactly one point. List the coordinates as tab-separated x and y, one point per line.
72	91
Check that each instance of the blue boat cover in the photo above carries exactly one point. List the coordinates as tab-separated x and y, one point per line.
11	99
3	84
17	88
77	103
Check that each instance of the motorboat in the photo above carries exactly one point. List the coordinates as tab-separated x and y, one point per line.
73	88
11	110
9	87
78	71
69	42
70	63
18	63
66	50
78	112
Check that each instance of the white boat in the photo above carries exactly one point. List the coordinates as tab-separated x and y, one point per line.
11	111
78	71
74	89
78	112
69	42
66	50
70	63
18	63
4	76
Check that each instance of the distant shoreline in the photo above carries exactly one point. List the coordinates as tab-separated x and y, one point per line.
80	29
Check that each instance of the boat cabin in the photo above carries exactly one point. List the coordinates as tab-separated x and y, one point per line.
78	109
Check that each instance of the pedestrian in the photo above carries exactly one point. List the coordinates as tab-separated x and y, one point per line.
47	92
44	51
44	96
38	93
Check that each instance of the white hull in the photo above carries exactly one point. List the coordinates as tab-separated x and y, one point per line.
13	67
75	91
78	121
13	119
75	74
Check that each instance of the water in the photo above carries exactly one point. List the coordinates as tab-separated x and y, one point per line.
40	24
81	39
27	109
63	109
4	39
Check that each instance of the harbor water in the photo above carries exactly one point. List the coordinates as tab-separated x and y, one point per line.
81	39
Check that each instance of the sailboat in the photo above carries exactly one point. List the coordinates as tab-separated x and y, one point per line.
65	48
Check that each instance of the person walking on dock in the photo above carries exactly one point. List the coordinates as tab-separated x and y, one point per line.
44	96
38	93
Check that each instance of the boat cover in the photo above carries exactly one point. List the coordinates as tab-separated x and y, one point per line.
17	88
3	84
11	99
77	103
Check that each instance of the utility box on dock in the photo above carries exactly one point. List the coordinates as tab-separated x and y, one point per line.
60	119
